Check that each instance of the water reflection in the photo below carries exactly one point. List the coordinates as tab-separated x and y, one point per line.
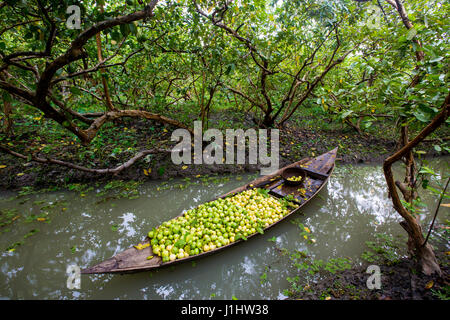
349	211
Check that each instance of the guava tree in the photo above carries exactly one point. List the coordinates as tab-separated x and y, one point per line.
284	52
45	53
34	71
425	98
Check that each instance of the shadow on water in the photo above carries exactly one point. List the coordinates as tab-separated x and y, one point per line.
81	230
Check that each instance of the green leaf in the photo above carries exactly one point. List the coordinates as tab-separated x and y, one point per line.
240	236
124	29
345	114
180	243
161	171
132	28
75	90
427	170
115	36
436	59
411	34
6	96
421	116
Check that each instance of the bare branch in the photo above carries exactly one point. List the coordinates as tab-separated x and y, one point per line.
111	115
70	165
75	114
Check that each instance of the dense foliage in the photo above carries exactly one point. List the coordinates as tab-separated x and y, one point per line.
272	58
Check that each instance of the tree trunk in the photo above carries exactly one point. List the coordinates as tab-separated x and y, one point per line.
408	187
108	102
424	253
268	121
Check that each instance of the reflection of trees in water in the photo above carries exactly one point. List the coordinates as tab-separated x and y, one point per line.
354	201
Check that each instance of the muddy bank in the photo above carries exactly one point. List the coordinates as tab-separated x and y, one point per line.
399	281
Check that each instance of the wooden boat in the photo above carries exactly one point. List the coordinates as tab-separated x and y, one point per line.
318	171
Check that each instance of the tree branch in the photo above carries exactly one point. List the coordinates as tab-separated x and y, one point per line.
70	165
111	115
75	50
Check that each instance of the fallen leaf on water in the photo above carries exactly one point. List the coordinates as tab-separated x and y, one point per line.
141	246
429	285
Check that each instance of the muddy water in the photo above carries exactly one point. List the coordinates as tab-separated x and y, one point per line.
57	229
